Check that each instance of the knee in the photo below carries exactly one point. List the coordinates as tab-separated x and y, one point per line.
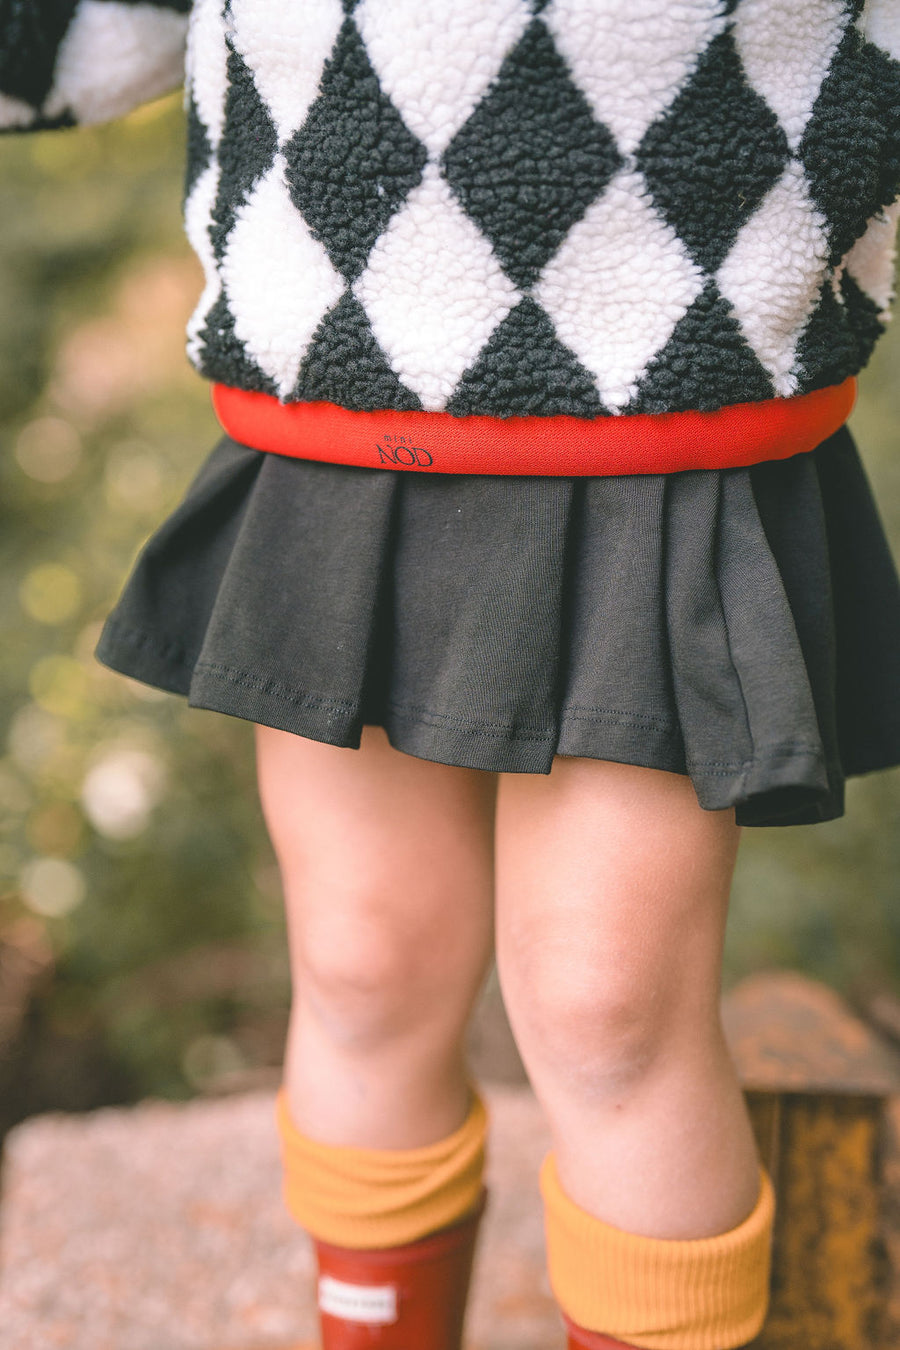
598	1033
358	987
368	978
604	1035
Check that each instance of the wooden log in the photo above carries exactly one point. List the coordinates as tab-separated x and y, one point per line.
818	1084
830	1277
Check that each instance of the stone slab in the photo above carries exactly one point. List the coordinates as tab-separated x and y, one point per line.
161	1227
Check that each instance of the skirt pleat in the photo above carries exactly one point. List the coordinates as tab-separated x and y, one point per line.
741	626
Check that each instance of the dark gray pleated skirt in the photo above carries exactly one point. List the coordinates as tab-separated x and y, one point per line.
741	626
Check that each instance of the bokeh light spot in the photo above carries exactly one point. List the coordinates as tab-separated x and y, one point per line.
35	737
52	886
120	791
60	685
50	593
48	449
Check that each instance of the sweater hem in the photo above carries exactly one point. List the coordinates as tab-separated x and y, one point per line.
734	436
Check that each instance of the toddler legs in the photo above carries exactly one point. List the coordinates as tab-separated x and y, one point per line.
612	890
387	865
611	896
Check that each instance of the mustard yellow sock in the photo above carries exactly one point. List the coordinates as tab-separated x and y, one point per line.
658	1294
365	1198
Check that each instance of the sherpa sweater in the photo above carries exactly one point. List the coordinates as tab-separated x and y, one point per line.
513	235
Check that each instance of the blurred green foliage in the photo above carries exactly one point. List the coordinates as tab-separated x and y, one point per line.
129	828
128	824
826	898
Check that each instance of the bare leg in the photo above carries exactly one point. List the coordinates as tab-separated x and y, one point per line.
387	865
612	892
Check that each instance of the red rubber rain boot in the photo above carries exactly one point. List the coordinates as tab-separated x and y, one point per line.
398	1298
581	1339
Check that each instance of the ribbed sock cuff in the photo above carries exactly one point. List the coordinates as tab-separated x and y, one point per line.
368	1198
658	1294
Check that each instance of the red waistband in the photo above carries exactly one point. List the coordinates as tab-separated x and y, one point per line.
438	442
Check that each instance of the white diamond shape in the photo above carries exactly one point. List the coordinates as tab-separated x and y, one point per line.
774	271
207	65
433	291
115	56
15	113
286	46
617	287
785	59
631	57
871	259
197	216
435	59
880	22
278	279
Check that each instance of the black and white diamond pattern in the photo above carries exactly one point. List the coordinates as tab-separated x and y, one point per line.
617	286
505	206
857	163
512	206
711	158
77	61
353	162
534	134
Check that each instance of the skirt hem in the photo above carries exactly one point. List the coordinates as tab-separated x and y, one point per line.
795	774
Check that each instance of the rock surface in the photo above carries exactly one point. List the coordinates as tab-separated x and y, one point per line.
161	1227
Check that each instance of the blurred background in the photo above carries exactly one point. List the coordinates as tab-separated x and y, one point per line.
142	946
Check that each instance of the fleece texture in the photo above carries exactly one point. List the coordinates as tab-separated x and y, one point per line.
64	62
514	207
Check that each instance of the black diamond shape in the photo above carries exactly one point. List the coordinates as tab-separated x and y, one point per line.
530	160
344	364
713	156
248	146
864	317
706	364
354	161
29	41
199	150
838	339
224	356
851	145
180	6
524	370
